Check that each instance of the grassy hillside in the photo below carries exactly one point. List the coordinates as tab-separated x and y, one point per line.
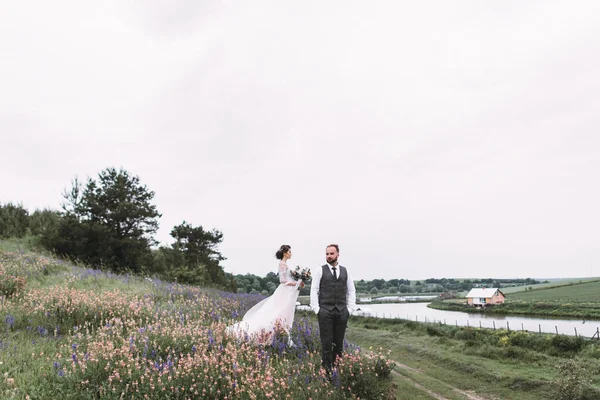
71	332
576	292
552	284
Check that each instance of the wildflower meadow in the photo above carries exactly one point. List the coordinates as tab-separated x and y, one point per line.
72	332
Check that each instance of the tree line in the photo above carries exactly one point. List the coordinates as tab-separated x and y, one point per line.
468	284
110	222
250	283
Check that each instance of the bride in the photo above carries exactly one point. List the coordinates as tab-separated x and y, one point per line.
278	309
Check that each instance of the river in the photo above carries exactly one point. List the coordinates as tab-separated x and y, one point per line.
420	312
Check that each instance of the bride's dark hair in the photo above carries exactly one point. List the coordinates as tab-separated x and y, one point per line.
282	250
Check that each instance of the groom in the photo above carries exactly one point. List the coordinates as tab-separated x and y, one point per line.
332	297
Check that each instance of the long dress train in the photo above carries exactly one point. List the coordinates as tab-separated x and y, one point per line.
280	307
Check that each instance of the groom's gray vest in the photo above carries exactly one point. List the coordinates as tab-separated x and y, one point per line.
332	293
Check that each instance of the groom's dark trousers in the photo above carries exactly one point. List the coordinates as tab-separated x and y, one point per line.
333	315
332	325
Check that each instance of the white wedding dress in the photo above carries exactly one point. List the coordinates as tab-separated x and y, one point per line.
280	307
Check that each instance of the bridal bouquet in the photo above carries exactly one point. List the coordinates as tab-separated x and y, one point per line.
301	274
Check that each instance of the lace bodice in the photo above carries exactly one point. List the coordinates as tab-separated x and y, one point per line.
285	275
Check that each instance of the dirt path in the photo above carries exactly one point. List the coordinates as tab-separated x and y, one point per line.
419	386
437	396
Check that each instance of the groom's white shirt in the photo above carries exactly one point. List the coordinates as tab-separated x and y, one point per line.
316	283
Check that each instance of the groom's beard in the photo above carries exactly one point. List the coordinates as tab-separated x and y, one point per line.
331	260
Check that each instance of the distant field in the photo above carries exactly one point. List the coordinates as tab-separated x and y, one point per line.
563	289
552	283
588	291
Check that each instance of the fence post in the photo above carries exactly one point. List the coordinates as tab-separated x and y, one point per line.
479	324
522	327
494	322
468	324
444	321
575	331
556	327
540	327
507	326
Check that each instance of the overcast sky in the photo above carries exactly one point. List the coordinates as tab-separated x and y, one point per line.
427	139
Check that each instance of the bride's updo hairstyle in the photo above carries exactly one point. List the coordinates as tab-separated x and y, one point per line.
282	250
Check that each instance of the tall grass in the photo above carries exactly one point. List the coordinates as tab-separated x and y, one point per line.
71	332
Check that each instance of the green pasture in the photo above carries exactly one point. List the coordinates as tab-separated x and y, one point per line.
554	283
588	291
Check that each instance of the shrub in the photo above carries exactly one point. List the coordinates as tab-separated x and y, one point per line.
504	341
363	375
526	385
592	350
14	220
566	344
517	353
573	379
466	334
529	341
433	330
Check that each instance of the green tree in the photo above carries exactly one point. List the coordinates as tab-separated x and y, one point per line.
406	289
171	264
44	222
231	283
272	277
111	221
14	220
378	283
116	201
256	284
271	287
198	248
245	282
